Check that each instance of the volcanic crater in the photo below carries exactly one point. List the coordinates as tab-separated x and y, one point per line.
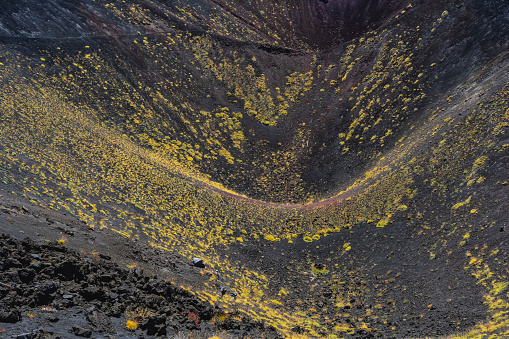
254	169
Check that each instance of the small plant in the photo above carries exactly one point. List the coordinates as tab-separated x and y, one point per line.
479	162
382	223
270	238
62	240
193	316
31	314
135	316
319	269
223	316
499	287
460	204
276	302
131	325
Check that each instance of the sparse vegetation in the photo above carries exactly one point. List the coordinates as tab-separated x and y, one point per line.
230	133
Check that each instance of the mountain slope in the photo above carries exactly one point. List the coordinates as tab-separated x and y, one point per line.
331	160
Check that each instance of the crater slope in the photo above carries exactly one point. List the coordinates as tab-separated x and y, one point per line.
341	166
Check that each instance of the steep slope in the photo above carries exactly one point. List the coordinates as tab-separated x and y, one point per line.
340	161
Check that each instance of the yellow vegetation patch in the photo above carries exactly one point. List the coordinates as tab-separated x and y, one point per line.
479	162
463	203
270	238
131	325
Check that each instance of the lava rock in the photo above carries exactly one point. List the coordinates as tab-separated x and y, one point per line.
99	321
81	331
155	325
52	318
11	262
197	262
26	275
92	293
10	316
46	293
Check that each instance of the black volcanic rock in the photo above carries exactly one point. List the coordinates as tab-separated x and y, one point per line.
82	332
153	309
12	316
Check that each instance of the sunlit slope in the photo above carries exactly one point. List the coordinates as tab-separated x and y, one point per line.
198	128
274	125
